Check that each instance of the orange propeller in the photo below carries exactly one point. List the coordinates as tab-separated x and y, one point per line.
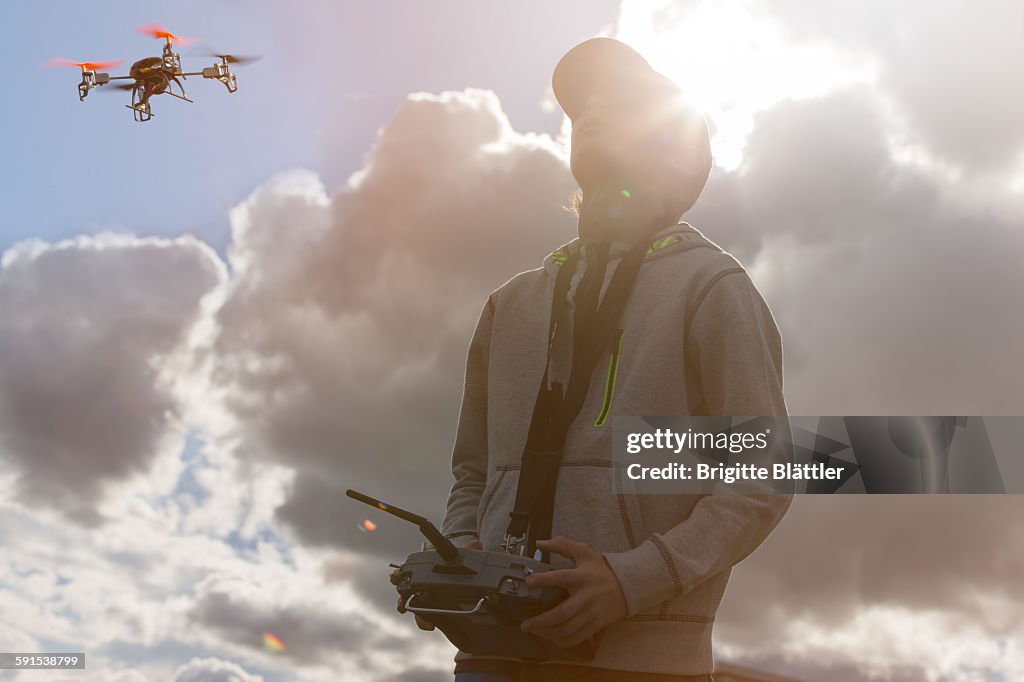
159	31
53	62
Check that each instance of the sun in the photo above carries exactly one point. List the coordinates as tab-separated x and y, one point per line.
733	60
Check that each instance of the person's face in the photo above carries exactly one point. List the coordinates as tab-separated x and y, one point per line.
616	139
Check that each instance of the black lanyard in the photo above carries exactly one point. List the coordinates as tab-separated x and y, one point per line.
553	412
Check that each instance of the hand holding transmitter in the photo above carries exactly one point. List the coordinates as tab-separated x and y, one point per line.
477	598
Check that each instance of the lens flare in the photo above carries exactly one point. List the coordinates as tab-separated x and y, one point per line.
367	526
271	642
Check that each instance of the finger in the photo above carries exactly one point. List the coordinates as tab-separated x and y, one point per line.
553	616
585	632
577	551
563	577
577	637
567	628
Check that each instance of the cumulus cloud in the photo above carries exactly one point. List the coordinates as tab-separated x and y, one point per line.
146	593
424	676
846	576
213	670
338	337
14	639
242	615
84	322
953	72
879	263
343	345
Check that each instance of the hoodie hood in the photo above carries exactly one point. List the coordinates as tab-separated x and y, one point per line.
672	239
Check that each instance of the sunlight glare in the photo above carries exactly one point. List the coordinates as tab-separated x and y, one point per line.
733	61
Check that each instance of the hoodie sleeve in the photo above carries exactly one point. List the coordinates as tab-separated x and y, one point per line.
469	456
735	349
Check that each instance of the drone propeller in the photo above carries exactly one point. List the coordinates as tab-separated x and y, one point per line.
240	60
54	62
160	32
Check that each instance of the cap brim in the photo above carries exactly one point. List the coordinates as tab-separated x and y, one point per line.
602	64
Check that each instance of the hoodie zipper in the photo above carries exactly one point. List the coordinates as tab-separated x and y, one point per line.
609	383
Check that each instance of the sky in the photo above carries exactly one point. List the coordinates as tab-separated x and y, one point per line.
214	323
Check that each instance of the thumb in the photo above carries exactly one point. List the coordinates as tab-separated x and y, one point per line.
577	551
424	624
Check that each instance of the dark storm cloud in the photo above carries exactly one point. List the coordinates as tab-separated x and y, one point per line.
345	345
82	326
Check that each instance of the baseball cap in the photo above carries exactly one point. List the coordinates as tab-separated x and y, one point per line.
607	65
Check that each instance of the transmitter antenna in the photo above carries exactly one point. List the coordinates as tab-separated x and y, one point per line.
443	545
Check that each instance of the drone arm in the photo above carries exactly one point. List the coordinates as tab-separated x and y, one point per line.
90	79
221	72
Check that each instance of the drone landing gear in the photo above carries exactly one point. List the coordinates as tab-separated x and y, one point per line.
174	94
141	112
181	89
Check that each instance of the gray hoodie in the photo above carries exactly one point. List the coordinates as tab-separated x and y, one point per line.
695	338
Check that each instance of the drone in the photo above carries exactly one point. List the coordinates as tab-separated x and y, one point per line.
152	76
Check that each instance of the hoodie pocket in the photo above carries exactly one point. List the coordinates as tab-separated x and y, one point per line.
609	382
592	506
